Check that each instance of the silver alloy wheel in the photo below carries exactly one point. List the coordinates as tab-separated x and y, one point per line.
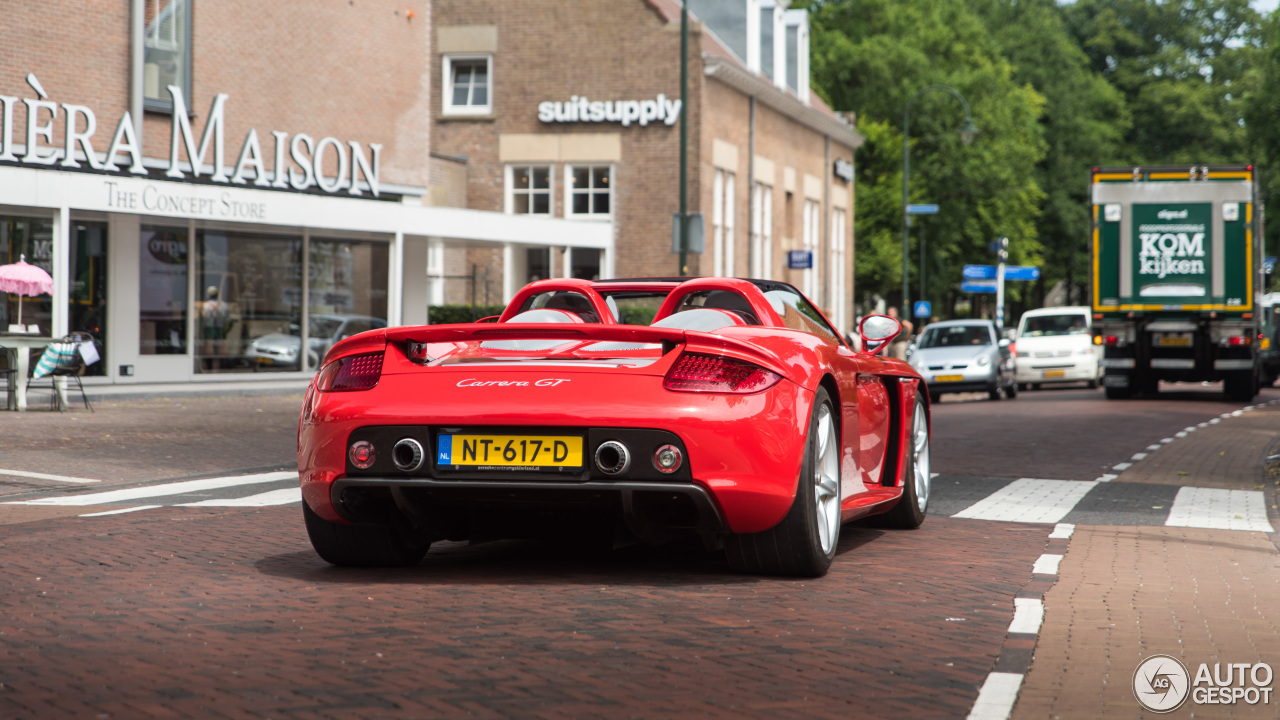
826	481
920	456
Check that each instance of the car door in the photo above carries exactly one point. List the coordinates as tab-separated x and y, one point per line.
873	420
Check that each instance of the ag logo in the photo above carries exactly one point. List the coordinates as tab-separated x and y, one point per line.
1161	683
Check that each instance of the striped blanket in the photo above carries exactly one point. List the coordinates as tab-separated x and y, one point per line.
56	355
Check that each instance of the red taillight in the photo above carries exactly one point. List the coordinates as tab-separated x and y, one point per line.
696	372
1111	340
1241	340
354	372
361	454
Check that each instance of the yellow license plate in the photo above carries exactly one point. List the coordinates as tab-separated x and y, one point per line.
1055	373
949	378
1173	341
510	452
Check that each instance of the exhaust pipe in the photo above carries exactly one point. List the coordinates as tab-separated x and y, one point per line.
408	454
612	457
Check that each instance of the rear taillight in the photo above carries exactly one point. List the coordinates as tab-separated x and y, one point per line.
1111	340
1240	340
696	372
354	372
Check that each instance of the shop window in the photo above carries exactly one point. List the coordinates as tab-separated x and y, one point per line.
590	189
762	232
31	237
162	310
468	84
348	293
529	189
166	52
249	302
87	303
537	264
723	239
812	232
584	263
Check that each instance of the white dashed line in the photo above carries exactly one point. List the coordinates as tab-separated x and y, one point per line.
147	491
1166	441
1138	456
1121	467
1153	448
121	511
1106	478
1062	531
996	698
1046	564
1029	500
1028	613
47	476
266	499
1217	509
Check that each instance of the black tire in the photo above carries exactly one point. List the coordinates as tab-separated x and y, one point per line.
935	398
1119	393
1093	384
994	393
908	513
1011	392
1024	386
1035	386
1240	386
793	547
361	545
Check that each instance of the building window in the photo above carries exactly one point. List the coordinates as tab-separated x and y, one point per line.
166	52
723	239
468	82
162	310
590	189
347	294
529	189
812	233
762	232
837	287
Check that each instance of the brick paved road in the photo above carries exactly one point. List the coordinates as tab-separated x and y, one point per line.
201	613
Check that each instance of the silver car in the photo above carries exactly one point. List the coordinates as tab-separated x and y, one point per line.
964	356
282	348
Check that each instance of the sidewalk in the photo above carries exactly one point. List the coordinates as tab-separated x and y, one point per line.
1201	596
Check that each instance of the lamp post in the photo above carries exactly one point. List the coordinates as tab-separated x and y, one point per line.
684	137
967	132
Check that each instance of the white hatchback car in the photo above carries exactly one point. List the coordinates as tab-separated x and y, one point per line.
1055	345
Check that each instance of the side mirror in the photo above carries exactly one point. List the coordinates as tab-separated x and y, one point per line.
876	331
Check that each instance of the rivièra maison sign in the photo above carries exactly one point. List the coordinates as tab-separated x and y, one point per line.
304	167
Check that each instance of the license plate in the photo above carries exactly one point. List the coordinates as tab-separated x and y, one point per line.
1173	341
510	452
1055	373
949	378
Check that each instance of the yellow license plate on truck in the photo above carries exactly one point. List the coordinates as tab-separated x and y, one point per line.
509	452
1174	341
949	378
1055	373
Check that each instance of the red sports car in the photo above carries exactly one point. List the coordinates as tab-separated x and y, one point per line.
730	408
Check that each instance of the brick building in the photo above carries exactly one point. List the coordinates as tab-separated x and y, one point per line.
570	109
227	186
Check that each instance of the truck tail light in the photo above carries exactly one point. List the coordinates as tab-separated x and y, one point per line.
354	372
1097	339
1111	340
1240	340
697	372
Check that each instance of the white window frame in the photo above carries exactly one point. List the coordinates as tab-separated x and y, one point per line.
568	191
509	206
724	240
446	98
812	236
762	232
839	270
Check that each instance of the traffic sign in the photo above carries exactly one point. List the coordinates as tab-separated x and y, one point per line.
799	259
1268	265
979	272
1011	272
924	209
978	286
923	309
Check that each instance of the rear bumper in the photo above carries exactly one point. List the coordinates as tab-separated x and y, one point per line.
1057	370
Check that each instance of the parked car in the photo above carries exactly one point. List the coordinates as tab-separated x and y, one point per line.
1055	345
739	415
1269	340
282	348
964	356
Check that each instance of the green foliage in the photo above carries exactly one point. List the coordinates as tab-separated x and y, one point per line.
1261	110
451	314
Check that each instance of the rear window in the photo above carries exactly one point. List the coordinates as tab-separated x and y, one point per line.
955	335
1049	325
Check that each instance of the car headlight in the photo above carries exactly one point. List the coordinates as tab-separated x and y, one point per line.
982	360
291	351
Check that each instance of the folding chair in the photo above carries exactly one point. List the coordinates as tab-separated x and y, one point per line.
9	372
62	358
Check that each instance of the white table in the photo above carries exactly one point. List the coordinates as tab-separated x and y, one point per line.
23	344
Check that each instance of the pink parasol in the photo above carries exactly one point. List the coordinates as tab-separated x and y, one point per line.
24	279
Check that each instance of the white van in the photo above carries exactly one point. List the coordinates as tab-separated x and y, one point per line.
1055	345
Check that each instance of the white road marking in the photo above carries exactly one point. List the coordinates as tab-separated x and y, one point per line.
1237	413
1182	434
1215	421
1138	456
1121	467
1028	613
121	511
47	476
1106	478
1153	448
1165	441
1046	565
178	488
996	698
1217	509
1029	500
266	499
1062	531
1189	429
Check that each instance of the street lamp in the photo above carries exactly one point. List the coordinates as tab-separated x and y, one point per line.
968	130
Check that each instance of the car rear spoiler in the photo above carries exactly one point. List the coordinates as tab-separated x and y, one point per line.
668	338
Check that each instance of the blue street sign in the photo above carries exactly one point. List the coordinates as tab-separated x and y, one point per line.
922	309
799	259
979	272
978	286
927	209
1011	272
1268	265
